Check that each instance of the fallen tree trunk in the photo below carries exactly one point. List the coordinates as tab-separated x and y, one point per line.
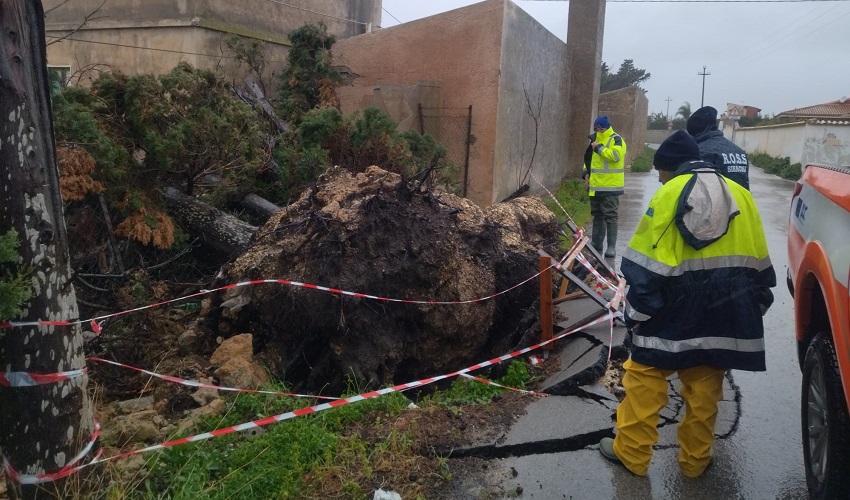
216	229
259	205
266	106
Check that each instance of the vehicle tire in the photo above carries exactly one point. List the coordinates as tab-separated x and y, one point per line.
825	423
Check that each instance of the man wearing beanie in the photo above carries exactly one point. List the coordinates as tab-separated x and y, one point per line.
699	280
714	148
605	177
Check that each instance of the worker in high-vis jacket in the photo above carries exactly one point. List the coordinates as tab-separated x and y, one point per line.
604	163
699	279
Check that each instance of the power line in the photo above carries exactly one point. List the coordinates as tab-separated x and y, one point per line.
278	2
215	56
391	15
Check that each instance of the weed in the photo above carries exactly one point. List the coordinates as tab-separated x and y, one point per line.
781	167
643	162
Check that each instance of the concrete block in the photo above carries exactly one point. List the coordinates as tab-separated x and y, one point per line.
582	362
574	416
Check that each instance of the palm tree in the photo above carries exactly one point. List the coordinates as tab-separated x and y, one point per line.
684	111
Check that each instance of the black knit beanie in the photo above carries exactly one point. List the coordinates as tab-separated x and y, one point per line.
703	119
675	150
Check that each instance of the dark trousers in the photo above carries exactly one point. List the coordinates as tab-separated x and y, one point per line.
604	212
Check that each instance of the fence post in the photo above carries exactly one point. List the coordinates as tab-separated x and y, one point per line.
421	120
546	327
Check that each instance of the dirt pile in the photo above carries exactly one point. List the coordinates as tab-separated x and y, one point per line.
379	234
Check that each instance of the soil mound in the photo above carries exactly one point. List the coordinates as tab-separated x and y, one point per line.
379	234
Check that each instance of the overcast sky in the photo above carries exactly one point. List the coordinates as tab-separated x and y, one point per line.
774	56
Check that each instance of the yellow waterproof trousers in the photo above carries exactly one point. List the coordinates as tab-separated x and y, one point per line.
646	395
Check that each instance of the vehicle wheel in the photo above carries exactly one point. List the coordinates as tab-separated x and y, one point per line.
826	427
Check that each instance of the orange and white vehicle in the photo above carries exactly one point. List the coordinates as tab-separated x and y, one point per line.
818	278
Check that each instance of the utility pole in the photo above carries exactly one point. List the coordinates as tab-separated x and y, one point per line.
668	107
703	75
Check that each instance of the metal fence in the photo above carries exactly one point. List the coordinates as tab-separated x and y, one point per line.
451	127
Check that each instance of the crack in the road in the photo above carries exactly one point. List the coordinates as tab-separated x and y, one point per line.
546	446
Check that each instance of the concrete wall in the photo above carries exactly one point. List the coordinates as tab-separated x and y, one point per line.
124	32
459	51
775	140
802	142
657	136
533	61
627	110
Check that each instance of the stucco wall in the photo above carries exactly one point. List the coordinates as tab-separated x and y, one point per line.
777	140
459	51
533	61
123	32
262	17
802	142
627	110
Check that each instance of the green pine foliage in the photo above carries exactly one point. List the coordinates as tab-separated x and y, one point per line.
14	284
308	72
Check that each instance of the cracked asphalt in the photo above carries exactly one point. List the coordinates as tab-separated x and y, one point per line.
551	452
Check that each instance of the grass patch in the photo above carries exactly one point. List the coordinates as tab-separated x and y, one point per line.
643	162
777	166
326	455
572	195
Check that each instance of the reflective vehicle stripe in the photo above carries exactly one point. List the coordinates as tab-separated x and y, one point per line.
702	264
725	343
816	217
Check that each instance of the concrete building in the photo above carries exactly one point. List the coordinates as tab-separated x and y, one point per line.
495	58
152	36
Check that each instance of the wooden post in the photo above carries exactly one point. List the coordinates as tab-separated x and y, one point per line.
546	326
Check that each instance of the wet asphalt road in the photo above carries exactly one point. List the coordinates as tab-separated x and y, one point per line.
761	459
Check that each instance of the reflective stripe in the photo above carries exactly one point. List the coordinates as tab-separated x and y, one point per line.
636	315
701	264
607	189
701	343
817	218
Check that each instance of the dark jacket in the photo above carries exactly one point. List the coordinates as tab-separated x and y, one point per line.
730	159
699	275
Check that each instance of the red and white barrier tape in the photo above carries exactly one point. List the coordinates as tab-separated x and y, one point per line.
69	468
339	402
195	383
490	382
24	379
96	326
599	278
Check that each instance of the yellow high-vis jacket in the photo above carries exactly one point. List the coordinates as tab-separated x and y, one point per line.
607	165
699	275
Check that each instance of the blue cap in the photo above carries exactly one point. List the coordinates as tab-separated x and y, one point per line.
602	121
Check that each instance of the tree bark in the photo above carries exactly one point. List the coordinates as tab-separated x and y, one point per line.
41	427
220	231
259	205
266	106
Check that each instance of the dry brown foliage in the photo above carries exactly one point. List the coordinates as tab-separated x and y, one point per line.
75	168
328	97
148	227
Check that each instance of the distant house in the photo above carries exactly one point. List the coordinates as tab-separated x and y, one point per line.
152	36
833	110
820	134
741	110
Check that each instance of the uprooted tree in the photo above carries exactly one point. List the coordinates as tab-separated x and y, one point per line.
44	426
